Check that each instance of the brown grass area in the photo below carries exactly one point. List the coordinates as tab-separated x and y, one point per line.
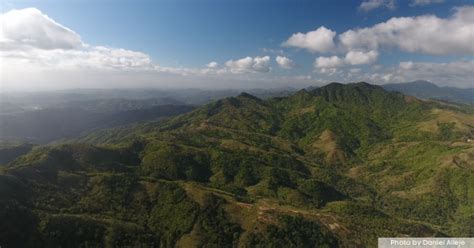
410	99
327	142
464	122
464	160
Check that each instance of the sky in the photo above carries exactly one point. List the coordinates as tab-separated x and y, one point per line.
54	44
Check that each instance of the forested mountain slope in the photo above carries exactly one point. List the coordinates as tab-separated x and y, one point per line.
334	166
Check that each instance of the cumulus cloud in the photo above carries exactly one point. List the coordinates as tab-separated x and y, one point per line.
319	40
424	2
424	34
30	38
328	62
29	28
351	58
54	56
360	57
369	5
285	62
249	64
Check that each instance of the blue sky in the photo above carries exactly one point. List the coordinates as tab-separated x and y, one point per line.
190	34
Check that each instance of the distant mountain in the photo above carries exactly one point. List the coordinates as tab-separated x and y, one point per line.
335	166
115	105
428	90
109	100
46	125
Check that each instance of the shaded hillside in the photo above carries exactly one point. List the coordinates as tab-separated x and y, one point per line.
43	126
336	166
428	90
9	152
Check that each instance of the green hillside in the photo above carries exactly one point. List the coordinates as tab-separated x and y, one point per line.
336	166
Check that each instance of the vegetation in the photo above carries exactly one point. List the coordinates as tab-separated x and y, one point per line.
294	232
335	166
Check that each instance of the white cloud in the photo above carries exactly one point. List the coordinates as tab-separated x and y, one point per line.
212	65
360	57
406	65
93	57
285	62
29	28
249	64
369	5
330	71
328	62
423	34
30	38
319	40
261	64
351	58
424	2
36	52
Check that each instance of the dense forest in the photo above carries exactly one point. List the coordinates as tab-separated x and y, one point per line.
335	166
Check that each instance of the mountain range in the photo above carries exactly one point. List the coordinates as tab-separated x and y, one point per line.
51	116
334	166
428	90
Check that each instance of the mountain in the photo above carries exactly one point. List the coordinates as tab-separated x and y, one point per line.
115	105
52	124
335	166
115	100
43	117
428	90
10	151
